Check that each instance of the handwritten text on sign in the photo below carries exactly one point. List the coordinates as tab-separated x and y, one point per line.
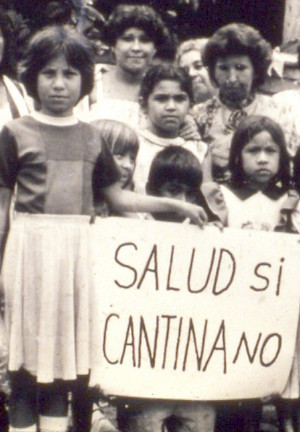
190	314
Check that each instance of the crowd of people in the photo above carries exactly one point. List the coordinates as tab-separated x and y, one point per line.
176	133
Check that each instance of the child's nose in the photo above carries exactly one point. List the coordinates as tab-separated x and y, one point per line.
58	81
171	103
181	196
262	157
127	162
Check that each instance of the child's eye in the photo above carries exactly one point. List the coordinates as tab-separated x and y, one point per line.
173	189
70	73
253	150
192	196
47	72
181	98
161	98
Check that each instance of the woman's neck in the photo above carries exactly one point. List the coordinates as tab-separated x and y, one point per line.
236	104
118	84
126	77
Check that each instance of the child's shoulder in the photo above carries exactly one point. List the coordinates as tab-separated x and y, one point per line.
20	123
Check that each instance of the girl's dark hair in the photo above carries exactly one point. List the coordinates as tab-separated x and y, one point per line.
162	72
119	137
297	170
143	17
239	39
50	43
247	129
174	164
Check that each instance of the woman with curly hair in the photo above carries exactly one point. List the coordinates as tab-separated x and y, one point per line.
136	34
237	58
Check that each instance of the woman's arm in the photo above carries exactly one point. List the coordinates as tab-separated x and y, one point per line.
121	200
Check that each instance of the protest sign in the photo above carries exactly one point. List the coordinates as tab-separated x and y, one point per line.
184	313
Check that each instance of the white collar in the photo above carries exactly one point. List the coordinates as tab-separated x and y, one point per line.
54	121
155	139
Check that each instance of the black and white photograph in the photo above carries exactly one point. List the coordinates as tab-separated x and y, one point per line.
149	215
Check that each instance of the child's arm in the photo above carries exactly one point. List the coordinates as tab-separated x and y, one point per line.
5	199
207	167
9	166
121	200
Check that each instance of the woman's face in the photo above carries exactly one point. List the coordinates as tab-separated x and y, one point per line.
234	76
191	61
134	50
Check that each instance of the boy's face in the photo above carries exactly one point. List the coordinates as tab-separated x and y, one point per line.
179	191
58	87
167	107
126	165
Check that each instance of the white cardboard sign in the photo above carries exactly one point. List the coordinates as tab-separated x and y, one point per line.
183	313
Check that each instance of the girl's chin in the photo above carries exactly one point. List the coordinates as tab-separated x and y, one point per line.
124	184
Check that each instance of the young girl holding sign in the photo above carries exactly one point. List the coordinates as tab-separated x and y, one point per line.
258	197
50	156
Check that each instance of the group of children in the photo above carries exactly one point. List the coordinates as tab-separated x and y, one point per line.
58	171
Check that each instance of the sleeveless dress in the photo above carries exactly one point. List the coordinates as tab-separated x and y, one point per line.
97	106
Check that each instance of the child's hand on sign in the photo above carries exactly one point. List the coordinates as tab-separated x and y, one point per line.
192	213
216	224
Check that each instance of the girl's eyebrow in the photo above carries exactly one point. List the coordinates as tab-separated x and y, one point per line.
53	69
47	68
161	93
